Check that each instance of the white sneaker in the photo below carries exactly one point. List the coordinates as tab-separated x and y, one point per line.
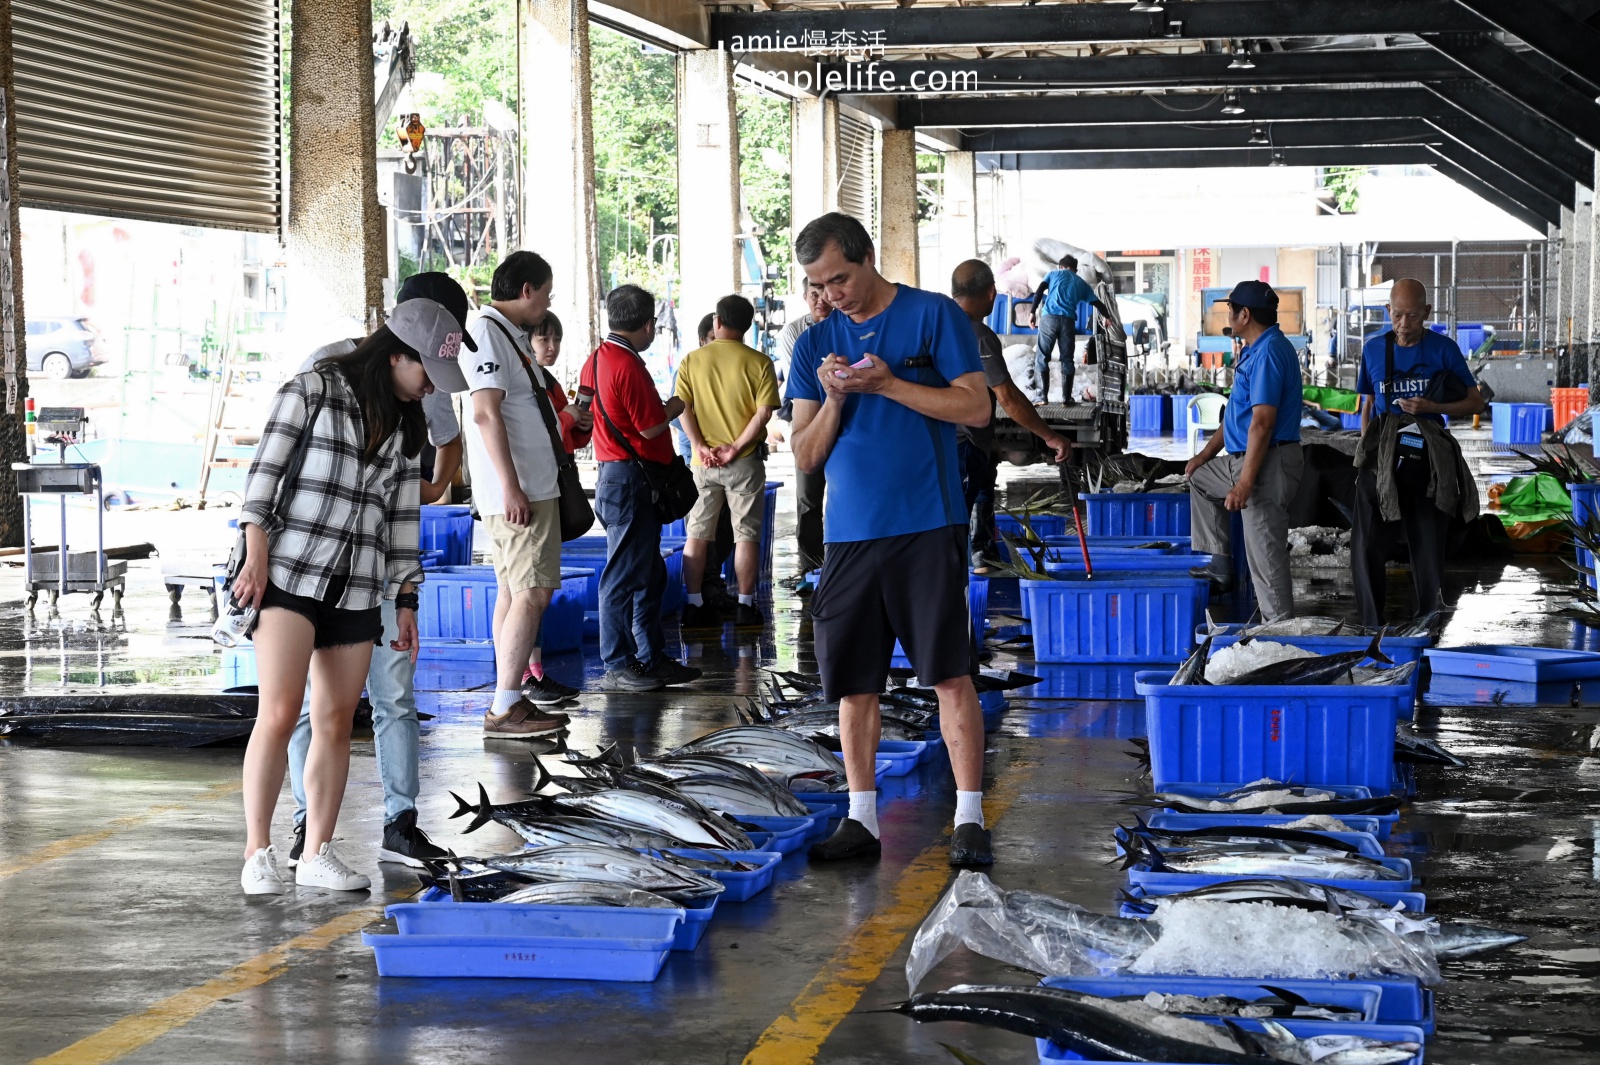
260	875
324	869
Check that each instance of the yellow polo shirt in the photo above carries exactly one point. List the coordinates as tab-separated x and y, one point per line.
724	383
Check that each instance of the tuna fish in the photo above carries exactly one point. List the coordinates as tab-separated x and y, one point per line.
1271	859
587	893
1324	669
611	865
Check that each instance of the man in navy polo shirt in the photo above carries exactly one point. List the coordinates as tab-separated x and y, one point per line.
1419	376
1260	472
878	388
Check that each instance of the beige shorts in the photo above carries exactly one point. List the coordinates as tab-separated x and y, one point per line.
527	556
742	483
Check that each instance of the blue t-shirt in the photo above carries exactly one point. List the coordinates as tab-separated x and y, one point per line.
892	471
1066	290
1268	374
1413	366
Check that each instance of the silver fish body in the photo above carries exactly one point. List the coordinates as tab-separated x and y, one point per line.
612	865
637	808
587	893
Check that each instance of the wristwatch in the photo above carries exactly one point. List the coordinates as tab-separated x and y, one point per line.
407	601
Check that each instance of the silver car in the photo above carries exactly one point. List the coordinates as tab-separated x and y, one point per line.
65	347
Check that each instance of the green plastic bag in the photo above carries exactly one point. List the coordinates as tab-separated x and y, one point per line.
1339	400
1538	497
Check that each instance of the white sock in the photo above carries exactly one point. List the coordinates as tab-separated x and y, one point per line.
747	600
969	808
504	699
864	808
696	599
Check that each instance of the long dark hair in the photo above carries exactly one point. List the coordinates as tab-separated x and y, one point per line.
368	373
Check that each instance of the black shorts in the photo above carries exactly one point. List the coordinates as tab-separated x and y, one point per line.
913	587
334	627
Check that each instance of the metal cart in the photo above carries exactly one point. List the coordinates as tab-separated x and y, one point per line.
63	571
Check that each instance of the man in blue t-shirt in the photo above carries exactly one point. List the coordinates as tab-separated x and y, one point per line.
1055	315
1260	473
878	389
1408	374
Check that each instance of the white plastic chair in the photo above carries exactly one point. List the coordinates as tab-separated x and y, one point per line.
1205	416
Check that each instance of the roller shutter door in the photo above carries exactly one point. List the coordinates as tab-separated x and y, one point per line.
165	110
858	172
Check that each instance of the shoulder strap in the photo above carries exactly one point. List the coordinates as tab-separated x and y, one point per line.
623	440
551	422
291	472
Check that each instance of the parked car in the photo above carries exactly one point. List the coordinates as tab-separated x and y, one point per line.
64	347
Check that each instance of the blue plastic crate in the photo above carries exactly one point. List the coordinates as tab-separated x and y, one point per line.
1068	560
1536	665
1350	421
1155	883
696	919
1402	649
1366	843
1137	513
740	886
438	915
1206	790
1148	414
1104	620
1044	525
1413	902
789	834
1585	500
1235	734
1172	819
562	943
1180	413
903	755
586	556
1517	423
447	528
1356	995
462	654
432	560
457	603
1181	545
561	628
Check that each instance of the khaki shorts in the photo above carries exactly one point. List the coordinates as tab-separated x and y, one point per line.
743	484
527	556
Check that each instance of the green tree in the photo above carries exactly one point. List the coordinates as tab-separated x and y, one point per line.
466	52
764	173
635	100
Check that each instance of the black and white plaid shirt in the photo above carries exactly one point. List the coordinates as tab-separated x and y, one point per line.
341	515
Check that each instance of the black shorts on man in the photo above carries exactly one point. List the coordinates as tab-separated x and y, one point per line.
913	587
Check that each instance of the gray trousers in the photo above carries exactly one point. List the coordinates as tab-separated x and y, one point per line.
1266	522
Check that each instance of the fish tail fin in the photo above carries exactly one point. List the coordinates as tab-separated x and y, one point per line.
483	812
463	807
1288	996
1144	826
1152	854
541	776
1247	1040
742	717
1337	628
1375	651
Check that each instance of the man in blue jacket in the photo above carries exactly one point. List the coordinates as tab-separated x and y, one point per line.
1260	473
1055	315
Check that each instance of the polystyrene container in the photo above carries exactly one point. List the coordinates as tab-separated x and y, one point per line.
1139	619
447	528
1137	513
1235	734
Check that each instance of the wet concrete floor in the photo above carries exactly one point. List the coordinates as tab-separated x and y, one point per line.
125	937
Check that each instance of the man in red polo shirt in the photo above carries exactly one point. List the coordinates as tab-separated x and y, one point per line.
630	433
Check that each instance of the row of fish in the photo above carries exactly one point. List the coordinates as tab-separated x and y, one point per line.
1251	853
1343	667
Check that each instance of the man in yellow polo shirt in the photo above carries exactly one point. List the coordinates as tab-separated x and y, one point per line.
729	392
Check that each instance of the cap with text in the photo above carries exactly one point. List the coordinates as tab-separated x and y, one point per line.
436	335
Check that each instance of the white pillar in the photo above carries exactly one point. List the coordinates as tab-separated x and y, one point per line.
897	251
708	184
958	222
1590	330
558	210
813	167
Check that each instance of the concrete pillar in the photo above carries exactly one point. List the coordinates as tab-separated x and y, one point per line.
13	442
1581	241
958	222
813	167
337	247
558	209
708	184
897	250
1564	277
1590	330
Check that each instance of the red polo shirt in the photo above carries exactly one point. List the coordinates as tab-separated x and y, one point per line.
624	390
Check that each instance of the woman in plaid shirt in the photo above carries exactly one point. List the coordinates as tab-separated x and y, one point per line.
322	554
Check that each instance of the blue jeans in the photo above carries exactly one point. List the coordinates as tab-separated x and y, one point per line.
635	577
1054	328
395	731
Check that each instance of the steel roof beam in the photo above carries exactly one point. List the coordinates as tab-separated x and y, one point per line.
1525	189
1212	135
1562	104
1514	120
1488	191
1393	155
1572	44
1034	26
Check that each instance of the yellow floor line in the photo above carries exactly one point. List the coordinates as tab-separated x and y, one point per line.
175	1011
63	847
797	1036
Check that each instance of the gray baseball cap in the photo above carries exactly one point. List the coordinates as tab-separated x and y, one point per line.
437	336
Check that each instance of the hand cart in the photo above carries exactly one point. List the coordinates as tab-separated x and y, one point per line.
62	571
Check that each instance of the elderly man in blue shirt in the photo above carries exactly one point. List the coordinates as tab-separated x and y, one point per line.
1260	472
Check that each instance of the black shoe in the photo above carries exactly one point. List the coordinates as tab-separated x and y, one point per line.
969	846
407	844
631	678
671	671
699	617
850	840
544	691
299	844
748	617
1221	583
